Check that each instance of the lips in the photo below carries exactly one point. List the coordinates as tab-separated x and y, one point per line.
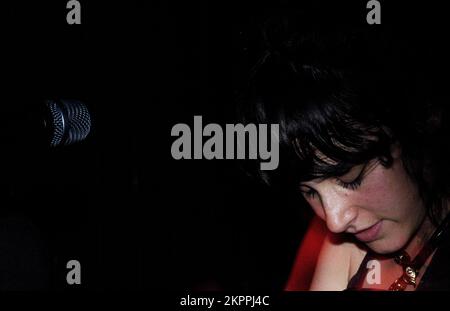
370	234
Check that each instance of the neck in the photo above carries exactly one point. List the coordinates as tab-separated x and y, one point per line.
423	234
425	231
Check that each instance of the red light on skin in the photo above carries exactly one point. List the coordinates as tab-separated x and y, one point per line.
303	268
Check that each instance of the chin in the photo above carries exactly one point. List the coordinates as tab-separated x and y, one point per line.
386	246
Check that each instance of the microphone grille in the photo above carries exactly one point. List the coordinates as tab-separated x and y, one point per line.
70	121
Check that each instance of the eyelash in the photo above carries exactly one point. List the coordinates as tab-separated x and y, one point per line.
311	193
350	185
347	185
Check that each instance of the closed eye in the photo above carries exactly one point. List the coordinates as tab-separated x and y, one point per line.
353	179
308	192
350	185
350	180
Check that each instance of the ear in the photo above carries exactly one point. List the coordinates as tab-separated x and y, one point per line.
396	150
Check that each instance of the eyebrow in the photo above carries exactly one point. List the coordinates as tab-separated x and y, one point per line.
364	165
317	180
320	179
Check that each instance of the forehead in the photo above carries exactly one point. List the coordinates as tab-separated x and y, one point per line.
316	165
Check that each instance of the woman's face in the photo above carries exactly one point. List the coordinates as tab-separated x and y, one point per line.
380	206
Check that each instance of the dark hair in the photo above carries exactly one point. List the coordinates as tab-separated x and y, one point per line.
344	97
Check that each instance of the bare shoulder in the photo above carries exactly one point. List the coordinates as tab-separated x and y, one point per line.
338	261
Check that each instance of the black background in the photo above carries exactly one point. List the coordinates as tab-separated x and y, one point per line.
134	217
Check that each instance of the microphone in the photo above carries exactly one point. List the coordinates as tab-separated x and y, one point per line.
67	121
50	122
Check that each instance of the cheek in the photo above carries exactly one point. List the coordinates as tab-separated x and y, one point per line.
377	195
390	193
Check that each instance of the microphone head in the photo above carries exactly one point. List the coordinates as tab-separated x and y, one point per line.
68	121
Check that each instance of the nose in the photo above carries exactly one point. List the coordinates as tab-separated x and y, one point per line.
340	212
